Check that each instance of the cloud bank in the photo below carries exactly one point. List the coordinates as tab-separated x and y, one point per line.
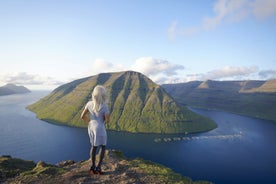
160	71
151	66
226	73
23	78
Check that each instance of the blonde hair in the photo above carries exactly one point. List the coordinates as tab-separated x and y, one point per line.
99	97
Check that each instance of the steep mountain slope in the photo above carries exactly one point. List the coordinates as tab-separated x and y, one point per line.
262	87
253	98
10	89
136	104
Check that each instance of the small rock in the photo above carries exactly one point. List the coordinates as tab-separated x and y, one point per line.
66	163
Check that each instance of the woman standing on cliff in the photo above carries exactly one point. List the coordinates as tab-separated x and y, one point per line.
99	114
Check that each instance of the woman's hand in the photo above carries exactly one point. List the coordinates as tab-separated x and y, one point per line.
84	116
86	119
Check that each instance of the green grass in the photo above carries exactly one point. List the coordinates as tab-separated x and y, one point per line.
255	99
163	174
135	102
44	169
10	167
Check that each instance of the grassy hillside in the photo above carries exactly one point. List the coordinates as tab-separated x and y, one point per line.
136	104
252	98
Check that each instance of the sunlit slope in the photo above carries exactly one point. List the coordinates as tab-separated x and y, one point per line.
136	104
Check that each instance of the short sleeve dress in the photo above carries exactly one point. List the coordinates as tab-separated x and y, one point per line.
96	126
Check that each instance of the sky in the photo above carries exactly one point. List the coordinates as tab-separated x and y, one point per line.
47	43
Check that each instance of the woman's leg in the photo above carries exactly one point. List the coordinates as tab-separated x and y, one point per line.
93	151
102	153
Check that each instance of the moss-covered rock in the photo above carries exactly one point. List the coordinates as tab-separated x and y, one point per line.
11	167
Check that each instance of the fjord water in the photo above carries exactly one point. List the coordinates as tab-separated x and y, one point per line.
240	150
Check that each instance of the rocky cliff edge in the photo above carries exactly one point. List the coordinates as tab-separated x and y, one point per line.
117	169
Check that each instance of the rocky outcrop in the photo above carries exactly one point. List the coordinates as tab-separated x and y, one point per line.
116	168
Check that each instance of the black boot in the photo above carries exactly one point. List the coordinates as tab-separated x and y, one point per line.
93	159
92	170
98	170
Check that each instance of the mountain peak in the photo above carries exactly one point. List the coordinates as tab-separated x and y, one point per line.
136	103
204	85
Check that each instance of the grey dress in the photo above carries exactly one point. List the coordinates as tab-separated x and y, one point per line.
96	127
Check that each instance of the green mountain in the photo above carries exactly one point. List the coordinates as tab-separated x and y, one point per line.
136	104
253	98
10	89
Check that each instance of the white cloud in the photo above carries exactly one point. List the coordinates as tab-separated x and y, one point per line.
162	71
170	80
22	78
152	67
231	72
159	70
102	66
172	31
175	31
267	74
31	81
264	8
227	11
228	72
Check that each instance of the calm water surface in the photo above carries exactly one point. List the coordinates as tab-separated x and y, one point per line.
240	150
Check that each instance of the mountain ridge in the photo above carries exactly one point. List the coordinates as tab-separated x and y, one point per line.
254	98
136	103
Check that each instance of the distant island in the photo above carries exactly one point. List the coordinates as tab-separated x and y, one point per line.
10	89
253	98
136	103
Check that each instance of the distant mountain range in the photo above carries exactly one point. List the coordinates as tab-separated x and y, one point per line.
136	103
10	89
253	98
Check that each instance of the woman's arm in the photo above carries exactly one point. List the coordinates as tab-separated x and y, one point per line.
84	116
106	118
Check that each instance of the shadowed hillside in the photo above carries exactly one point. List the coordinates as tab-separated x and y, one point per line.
252	98
10	89
136	104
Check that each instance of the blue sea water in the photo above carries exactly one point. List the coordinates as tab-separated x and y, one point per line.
240	150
